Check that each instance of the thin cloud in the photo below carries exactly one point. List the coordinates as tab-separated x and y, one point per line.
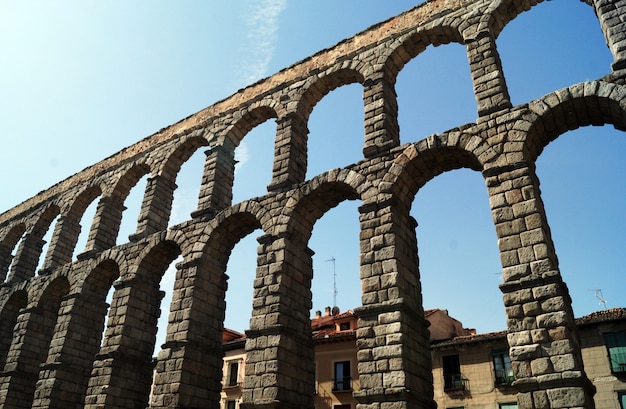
261	19
242	155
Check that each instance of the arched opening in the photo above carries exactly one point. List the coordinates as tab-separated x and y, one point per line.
435	93
188	181
553	45
8	249
241	271
581	174
86	222
253	162
336	281
336	130
132	210
457	244
47	239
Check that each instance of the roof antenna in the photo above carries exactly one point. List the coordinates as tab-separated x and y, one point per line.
600	297
334	281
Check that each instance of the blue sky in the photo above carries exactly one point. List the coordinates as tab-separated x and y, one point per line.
81	81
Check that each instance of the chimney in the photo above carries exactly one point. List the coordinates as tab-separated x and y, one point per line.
318	314
327	311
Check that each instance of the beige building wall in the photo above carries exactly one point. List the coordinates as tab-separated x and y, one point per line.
597	366
329	394
477	388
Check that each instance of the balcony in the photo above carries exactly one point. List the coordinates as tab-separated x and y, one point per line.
343	384
454	383
230	383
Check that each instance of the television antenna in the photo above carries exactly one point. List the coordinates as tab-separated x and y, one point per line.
599	296
332	259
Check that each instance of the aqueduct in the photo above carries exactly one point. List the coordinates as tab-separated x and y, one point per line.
55	352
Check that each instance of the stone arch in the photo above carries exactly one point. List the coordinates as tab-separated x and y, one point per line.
422	161
108	217
316	197
31	245
64	377
156	206
390	279
67	229
282	291
590	103
35	328
129	341
382	83
216	192
231	225
290	149
409	46
8	243
202	269
249	118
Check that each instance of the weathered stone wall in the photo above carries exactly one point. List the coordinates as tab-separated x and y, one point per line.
53	349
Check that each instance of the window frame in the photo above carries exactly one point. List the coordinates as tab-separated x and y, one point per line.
452	379
342	383
232	378
502	363
615	342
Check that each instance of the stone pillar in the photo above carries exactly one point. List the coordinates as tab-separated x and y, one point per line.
26	258
290	151
543	340
280	366
393	337
382	131
612	15
216	191
64	376
105	225
189	365
490	88
156	206
5	262
64	239
11	310
31	341
122	371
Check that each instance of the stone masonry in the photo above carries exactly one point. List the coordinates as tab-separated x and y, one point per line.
55	352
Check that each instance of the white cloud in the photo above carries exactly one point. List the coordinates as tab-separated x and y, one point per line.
242	155
261	20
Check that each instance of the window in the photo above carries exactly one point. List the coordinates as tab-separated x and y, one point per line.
342	381
231	404
233	374
616	346
344	326
502	367
452	379
510	405
621	397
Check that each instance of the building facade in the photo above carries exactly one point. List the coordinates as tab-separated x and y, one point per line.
470	371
